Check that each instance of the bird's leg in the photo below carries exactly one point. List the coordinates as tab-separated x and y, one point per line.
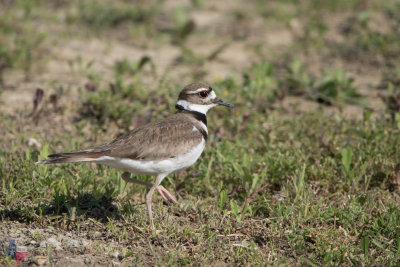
150	195
165	194
127	178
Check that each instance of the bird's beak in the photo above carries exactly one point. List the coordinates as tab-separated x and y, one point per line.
219	101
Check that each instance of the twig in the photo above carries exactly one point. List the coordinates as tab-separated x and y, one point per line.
255	193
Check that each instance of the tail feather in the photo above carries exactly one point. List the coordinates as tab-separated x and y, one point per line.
68	157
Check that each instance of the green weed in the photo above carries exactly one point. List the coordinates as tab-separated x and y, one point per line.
100	16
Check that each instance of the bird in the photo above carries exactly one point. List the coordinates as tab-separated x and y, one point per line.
158	148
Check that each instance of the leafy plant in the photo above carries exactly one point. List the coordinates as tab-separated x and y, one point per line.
132	68
101	16
259	83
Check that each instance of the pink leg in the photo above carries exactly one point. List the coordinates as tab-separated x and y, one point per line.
150	195
167	196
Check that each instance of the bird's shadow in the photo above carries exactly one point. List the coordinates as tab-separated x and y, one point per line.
101	208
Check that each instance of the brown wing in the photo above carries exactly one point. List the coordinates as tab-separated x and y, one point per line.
163	139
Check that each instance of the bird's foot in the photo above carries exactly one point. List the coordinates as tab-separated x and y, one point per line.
167	196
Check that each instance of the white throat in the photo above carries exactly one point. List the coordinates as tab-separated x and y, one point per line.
195	107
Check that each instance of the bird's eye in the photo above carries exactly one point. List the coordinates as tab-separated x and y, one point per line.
203	94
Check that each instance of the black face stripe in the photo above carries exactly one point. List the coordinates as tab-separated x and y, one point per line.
203	132
179	107
198	116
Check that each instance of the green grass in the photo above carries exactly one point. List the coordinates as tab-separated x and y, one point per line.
289	177
327	196
100	16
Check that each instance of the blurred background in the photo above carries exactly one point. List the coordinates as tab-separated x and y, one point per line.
304	169
319	52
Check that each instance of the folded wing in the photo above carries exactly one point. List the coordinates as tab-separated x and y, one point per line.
158	140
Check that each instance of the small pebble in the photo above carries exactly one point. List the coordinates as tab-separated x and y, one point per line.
51	242
97	234
87	261
33	143
115	254
73	243
84	243
40	260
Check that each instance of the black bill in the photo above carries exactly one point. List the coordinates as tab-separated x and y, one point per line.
219	101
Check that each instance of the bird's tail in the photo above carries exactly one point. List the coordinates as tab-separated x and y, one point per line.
68	157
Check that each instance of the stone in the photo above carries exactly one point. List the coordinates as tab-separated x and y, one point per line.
51	242
116	263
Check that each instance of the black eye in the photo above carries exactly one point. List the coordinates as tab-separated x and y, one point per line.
203	94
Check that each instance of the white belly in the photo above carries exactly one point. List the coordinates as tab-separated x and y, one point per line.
154	167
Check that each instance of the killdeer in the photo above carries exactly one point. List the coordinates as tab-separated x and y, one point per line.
158	148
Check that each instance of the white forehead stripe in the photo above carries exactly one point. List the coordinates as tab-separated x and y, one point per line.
201	89
198	90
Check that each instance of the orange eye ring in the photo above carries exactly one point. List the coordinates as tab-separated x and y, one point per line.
203	94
